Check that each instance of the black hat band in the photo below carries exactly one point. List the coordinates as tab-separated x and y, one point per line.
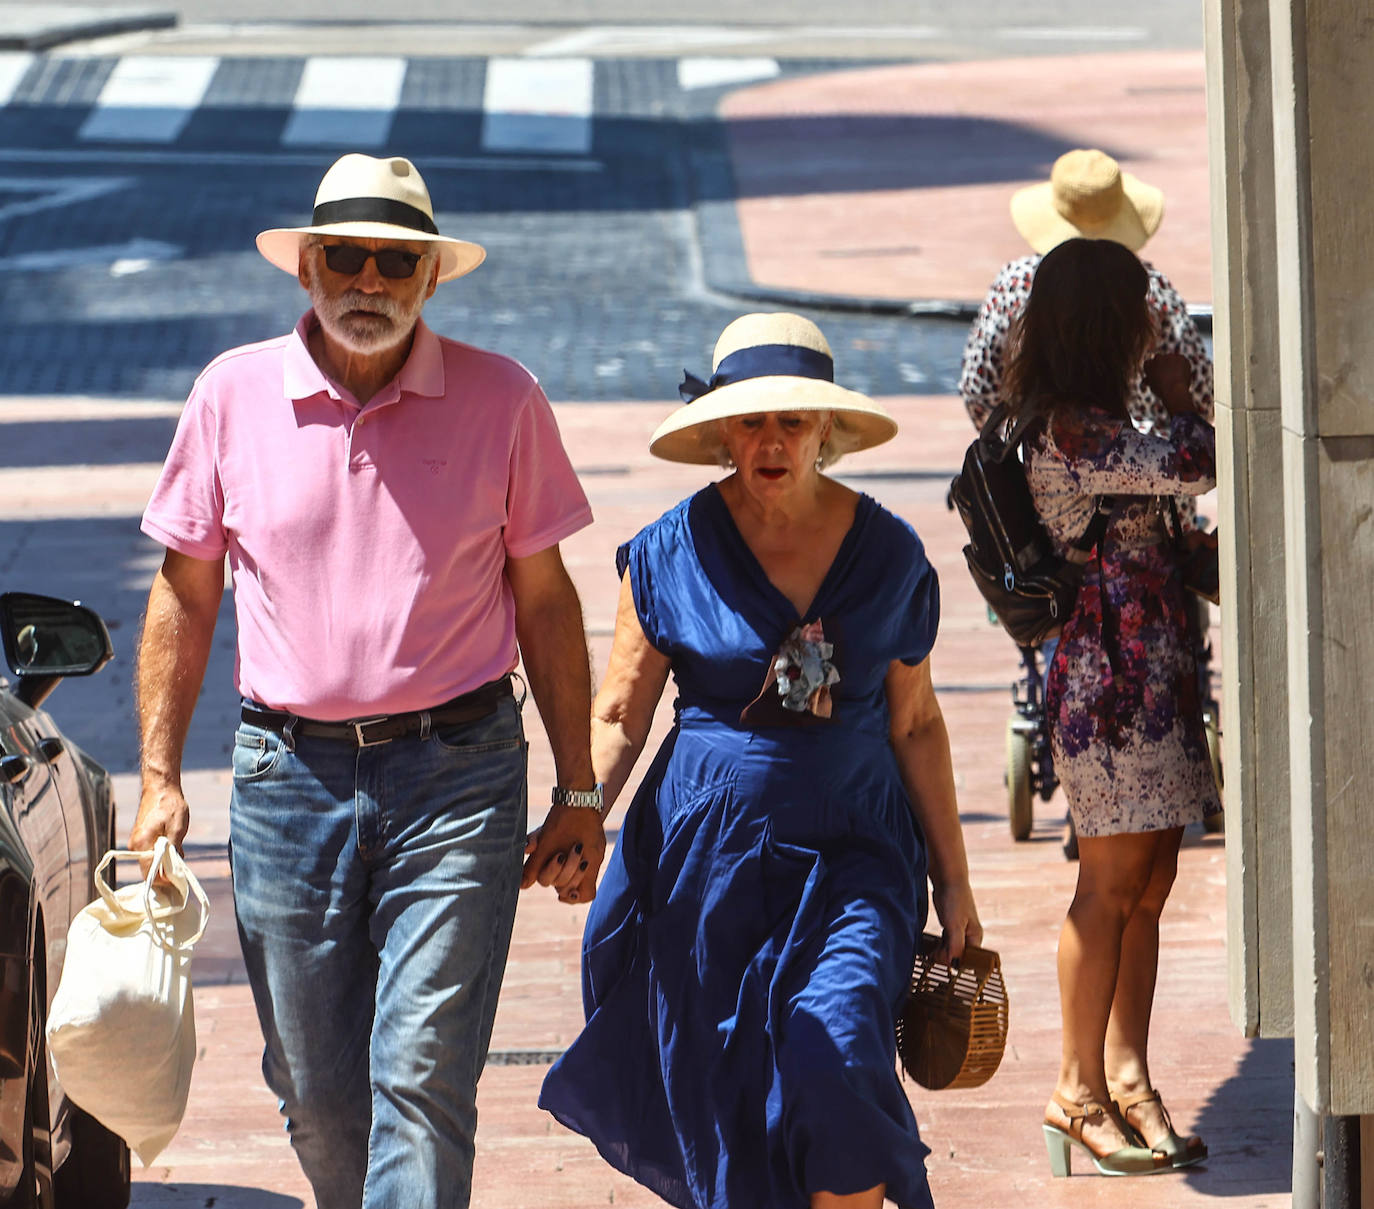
374	209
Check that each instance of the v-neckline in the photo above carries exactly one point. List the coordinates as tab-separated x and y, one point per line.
761	576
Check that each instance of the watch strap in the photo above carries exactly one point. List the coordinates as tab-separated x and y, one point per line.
583	799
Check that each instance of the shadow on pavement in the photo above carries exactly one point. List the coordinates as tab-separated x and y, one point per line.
208	1196
1244	1116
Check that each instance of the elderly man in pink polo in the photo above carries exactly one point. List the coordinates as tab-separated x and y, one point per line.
391	504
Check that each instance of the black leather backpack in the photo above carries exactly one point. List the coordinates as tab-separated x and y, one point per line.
1027	585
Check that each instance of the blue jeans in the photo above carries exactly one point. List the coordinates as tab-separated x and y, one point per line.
375	891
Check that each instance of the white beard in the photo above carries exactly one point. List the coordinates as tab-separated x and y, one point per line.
365	323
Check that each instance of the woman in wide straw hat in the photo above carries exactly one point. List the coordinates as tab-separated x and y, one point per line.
1088	196
753	935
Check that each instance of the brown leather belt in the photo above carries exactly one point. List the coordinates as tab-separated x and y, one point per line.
368	732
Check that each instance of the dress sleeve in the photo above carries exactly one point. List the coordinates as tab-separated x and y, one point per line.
989	338
916	608
1178	333
186	511
923	617
1111	457
635	559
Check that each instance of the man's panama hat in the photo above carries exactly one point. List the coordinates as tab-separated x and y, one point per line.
767	362
373	199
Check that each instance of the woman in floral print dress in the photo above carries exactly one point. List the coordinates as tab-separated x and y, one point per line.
1125	714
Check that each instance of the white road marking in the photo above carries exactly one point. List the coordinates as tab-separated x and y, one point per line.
149	98
295	159
1075	33
711	73
538	105
13	66
652	41
53	191
345	102
145	250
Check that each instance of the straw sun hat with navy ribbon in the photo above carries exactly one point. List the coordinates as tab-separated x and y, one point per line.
768	362
373	199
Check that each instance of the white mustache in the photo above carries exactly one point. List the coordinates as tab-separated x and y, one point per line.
354	301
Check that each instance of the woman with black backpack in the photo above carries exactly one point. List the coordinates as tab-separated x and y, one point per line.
1123	704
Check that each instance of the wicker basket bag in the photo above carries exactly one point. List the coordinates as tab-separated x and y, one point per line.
953	1027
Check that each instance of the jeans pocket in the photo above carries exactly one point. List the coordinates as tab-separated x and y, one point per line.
498	731
256	753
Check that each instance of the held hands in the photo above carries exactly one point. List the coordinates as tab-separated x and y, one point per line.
958	916
566	853
1170	376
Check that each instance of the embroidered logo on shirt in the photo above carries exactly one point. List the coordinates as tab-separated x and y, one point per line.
435	465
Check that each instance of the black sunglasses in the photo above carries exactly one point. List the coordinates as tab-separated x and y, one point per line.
349	258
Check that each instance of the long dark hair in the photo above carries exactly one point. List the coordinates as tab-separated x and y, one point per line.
1085	328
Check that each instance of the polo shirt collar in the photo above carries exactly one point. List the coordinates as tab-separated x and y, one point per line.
422	374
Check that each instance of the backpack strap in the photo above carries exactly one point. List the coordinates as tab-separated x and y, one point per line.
1081	550
1018	432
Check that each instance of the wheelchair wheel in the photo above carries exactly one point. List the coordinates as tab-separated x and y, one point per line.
1069	846
1214	822
1019	808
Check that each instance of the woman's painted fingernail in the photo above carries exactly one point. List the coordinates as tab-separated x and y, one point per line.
572	896
582	867
562	856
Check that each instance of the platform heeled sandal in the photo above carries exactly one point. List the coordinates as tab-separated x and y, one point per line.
1127	1160
1181	1151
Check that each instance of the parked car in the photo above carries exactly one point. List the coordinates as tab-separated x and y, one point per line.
57	818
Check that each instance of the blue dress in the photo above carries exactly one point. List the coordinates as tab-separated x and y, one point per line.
752	937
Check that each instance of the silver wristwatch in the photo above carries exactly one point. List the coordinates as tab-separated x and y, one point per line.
584	799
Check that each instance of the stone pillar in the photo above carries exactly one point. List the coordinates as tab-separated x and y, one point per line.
1323	86
1254	711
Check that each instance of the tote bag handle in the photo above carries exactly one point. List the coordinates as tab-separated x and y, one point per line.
166	860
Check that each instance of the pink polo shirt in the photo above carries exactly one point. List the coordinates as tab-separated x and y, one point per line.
367	545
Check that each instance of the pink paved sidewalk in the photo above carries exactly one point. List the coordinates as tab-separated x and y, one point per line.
986	1143
894	182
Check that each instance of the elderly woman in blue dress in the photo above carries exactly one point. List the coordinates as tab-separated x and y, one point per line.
753	935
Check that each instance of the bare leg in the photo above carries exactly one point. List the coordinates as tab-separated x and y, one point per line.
872	1199
1128	1030
1113	875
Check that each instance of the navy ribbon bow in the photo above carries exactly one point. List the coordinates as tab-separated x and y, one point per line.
761	361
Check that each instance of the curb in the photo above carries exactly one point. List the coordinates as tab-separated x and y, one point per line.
102	26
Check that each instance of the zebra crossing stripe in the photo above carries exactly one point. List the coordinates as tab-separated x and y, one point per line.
149	98
13	68
712	73
345	102
538	105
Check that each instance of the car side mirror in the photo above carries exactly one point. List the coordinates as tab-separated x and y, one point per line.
46	639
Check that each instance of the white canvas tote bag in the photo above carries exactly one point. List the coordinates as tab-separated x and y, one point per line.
122	1031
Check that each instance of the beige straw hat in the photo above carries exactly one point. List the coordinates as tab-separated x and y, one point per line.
1087	195
767	362
373	199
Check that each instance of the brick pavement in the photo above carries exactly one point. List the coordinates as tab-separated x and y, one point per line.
894	181
986	1143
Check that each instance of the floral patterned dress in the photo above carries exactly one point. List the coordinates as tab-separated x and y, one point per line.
985	353
1123	702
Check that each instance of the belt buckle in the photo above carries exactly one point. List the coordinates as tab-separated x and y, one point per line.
363	740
